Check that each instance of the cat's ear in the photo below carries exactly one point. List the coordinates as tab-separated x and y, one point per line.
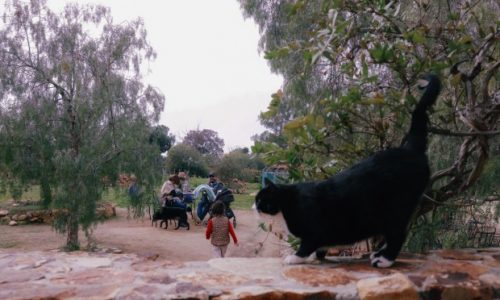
268	182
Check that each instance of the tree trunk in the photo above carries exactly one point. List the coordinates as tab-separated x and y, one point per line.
72	242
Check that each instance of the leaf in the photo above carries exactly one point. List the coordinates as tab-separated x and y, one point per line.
378	99
418	37
465	40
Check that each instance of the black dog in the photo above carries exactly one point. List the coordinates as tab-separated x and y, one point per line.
375	197
166	214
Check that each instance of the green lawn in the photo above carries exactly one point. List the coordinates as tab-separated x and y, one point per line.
241	201
119	195
31	194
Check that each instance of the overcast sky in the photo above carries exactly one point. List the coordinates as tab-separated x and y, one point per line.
208	66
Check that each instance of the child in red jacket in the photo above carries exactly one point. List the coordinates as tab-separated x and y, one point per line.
219	228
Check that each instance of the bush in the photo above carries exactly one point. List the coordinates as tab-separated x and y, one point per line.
183	157
240	165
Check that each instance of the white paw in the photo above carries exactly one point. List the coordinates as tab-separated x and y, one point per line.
382	262
372	256
294	260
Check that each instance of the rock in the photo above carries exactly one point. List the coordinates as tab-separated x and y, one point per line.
35	220
446	267
12	223
110	210
492	280
22	217
3	213
106	210
21	276
14	217
47	217
103	275
315	277
459	255
91	262
395	286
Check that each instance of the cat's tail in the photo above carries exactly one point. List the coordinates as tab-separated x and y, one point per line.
416	138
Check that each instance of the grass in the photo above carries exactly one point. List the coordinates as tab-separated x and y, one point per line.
116	195
32	194
119	195
241	201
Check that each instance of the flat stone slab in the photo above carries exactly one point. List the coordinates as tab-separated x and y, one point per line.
450	274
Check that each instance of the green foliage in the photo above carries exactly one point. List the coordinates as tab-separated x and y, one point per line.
333	118
183	157
162	138
488	184
74	112
350	69
239	165
293	241
243	201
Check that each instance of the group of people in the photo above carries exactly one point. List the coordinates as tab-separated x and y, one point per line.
175	192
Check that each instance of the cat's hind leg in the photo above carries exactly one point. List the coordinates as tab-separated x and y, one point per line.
386	256
378	252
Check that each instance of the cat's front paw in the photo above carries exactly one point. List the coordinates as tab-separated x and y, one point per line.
294	260
381	262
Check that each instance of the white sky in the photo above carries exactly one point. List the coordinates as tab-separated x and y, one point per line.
208	66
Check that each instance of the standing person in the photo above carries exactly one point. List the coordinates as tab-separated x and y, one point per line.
218	229
134	193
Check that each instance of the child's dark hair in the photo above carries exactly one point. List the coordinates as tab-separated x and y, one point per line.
218	208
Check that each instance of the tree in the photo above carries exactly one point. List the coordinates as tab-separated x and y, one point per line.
206	141
73	108
350	68
162	138
239	165
184	157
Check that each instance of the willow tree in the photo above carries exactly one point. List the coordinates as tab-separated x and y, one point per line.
73	108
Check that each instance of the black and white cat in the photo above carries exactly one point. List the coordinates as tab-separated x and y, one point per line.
375	197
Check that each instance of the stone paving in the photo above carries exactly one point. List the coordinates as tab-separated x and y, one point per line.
450	275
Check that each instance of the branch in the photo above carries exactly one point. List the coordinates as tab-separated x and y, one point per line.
489	74
443	173
428	198
462	134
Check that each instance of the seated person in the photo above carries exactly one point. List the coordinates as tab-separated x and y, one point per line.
173	199
204	205
184	184
170	184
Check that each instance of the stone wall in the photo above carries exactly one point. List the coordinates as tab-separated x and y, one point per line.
448	275
19	216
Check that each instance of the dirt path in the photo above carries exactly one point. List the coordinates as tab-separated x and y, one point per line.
137	236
